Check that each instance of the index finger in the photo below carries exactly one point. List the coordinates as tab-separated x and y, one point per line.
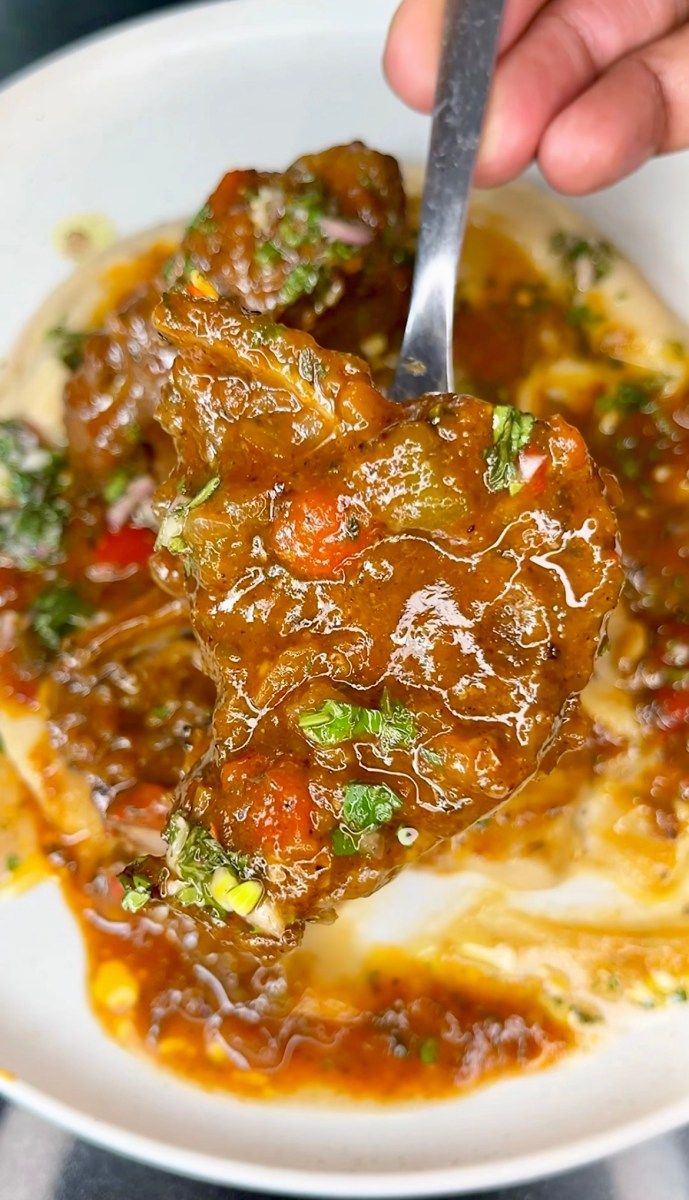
412	50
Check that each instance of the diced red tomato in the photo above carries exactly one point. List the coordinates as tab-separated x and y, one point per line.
129	546
533	469
146	804
317	534
671	708
278	806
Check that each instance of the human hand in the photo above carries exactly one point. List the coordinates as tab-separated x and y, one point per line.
589	88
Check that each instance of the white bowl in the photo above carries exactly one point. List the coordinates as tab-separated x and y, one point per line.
139	124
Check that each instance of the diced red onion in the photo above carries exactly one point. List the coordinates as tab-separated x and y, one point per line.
529	465
350	232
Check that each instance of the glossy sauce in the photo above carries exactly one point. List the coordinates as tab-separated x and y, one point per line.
400	1026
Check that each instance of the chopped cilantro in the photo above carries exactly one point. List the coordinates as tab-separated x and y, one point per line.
343	843
337	721
587	260
57	611
12	862
512	431
431	756
369	805
366	807
203	873
301	281
133	433
32	507
628	397
203	222
267	255
137	889
69	345
116	485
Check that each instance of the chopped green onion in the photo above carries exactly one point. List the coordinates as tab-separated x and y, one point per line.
223	883
244	898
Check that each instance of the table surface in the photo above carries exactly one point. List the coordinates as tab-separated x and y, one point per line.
40	1162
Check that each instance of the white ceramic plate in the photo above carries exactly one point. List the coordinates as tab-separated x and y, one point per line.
140	124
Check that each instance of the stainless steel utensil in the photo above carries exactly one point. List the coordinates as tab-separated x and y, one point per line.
470	36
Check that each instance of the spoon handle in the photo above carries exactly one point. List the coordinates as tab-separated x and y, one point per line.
470	34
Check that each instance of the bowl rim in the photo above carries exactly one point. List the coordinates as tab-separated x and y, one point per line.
247	17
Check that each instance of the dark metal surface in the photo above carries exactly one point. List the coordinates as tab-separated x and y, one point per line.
41	1162
470	36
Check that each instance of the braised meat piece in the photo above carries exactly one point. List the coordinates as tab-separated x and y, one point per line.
398	606
329	235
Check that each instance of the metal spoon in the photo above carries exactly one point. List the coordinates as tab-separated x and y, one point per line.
470	35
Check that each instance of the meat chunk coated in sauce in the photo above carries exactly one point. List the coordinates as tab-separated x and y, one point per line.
398	607
324	245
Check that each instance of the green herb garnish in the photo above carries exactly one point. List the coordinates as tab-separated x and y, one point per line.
337	721
587	260
627	398
203	222
161	712
69	345
301	281
369	805
366	807
344	843
137	890
428	1051
116	485
32	506
267	255
512	431
203	873
171	533
12	862
57	611
310	366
